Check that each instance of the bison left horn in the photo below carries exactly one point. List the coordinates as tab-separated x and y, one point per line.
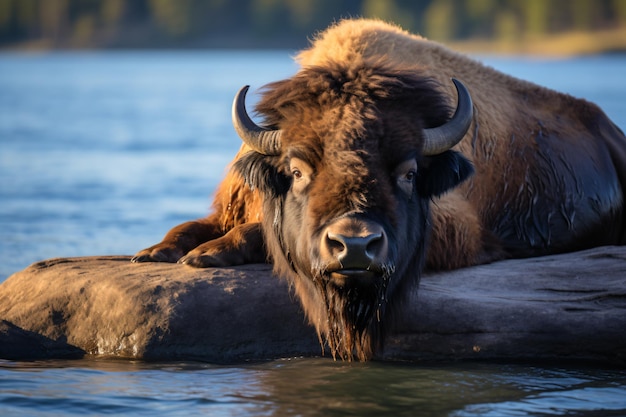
261	140
439	139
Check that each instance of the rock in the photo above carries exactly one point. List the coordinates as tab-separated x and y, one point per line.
20	344
570	306
109	306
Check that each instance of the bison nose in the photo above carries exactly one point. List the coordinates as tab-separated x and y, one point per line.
355	247
354	252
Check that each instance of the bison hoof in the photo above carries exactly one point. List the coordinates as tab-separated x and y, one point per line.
150	258
141	258
157	255
205	260
200	261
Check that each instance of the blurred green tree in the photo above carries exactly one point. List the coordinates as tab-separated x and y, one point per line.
440	21
390	11
102	23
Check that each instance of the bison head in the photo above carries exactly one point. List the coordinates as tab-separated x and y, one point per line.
347	165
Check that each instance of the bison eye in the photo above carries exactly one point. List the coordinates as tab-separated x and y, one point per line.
405	174
301	174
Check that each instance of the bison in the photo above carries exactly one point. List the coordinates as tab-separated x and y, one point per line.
387	153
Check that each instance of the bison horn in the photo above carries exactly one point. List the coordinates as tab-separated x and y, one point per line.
261	140
439	139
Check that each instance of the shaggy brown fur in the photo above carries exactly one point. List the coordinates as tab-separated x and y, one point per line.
550	172
360	123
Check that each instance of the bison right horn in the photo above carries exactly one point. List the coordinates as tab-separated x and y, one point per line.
439	139
261	140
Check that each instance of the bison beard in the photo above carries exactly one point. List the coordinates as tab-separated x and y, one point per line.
354	315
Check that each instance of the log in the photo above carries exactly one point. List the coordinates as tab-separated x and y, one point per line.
561	307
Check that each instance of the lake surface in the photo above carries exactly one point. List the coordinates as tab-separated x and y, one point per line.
102	153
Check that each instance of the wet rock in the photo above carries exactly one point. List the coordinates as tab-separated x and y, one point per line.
561	307
570	306
20	344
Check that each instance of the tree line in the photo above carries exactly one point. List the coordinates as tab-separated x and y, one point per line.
284	23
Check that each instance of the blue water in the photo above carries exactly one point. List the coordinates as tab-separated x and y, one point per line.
308	387
102	153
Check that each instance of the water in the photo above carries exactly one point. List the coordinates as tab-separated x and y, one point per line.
308	387
102	153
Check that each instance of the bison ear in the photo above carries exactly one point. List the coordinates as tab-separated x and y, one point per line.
442	172
260	172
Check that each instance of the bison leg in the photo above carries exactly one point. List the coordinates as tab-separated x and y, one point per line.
205	242
243	244
180	240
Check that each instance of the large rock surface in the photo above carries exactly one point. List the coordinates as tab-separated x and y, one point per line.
570	306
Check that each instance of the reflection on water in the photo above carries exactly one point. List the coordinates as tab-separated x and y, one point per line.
102	153
308	387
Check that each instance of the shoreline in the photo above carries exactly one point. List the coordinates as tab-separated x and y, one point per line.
561	45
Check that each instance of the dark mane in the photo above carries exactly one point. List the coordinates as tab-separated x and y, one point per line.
379	86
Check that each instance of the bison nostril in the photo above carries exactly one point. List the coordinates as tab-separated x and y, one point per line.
374	245
355	252
336	244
